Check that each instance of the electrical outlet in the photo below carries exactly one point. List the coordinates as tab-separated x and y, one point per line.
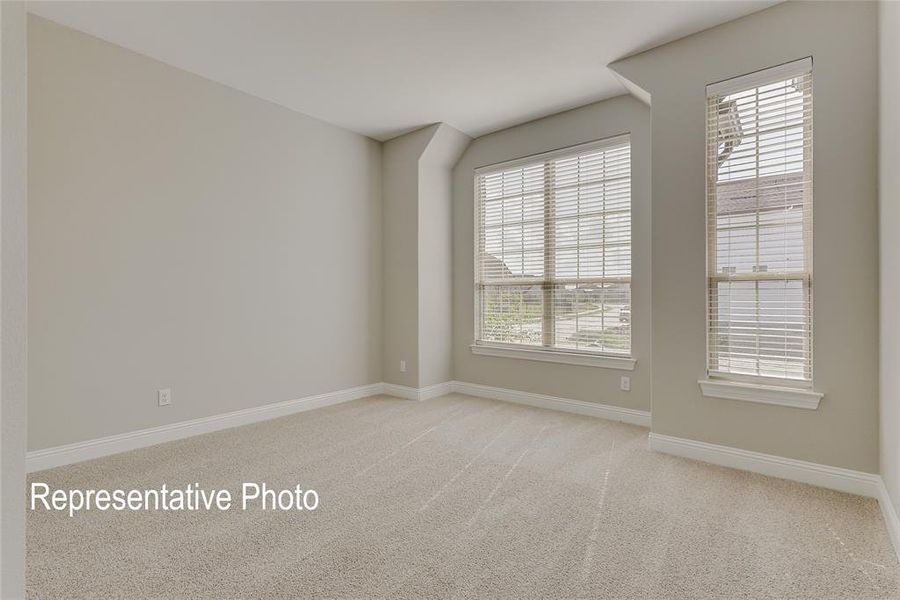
403	366
625	383
164	397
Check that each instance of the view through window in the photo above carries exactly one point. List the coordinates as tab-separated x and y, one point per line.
553	250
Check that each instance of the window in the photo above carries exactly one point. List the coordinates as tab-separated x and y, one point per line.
759	226
553	251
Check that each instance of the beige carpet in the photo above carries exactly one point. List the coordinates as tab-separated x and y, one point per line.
458	498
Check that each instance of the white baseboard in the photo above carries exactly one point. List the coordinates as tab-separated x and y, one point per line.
591	409
400	391
835	478
58	456
410	393
435	391
890	516
72	453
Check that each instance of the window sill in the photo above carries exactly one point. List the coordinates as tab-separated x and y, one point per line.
570	358
765	394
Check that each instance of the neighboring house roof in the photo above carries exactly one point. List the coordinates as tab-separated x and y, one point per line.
766	193
492	265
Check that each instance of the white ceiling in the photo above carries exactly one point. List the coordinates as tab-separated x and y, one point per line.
384	68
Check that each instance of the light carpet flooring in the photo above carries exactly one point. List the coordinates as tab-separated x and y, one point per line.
457	497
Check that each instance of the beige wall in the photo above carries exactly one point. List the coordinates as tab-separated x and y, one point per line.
186	235
595	121
842	39
13	373
889	218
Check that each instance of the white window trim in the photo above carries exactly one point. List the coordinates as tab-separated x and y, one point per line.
558	153
784	71
584	359
763	394
733	386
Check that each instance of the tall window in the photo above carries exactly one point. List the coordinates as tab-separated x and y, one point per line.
553	250
759	225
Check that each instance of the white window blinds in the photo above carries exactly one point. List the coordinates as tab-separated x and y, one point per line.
553	250
759	224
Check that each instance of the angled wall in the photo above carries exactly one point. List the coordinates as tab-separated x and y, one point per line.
842	39
435	255
417	255
400	227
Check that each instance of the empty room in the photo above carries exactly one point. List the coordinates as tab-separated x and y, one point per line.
513	300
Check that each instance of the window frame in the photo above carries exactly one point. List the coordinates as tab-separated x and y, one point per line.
766	388
550	353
